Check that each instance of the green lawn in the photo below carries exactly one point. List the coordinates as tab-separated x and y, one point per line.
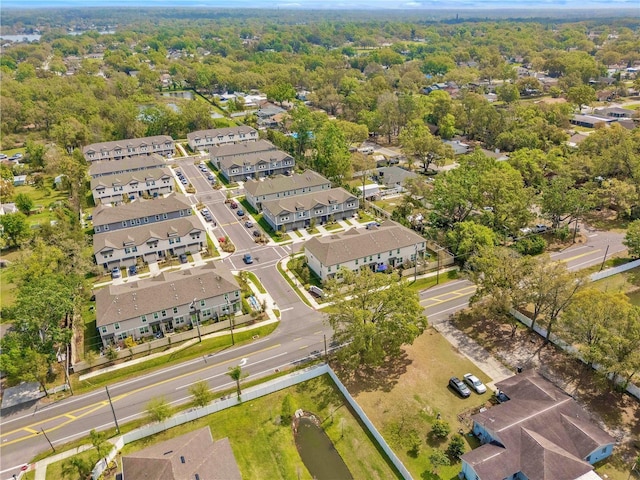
43	200
388	205
256	282
265	449
333	227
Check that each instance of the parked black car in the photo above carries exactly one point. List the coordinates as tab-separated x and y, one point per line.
459	386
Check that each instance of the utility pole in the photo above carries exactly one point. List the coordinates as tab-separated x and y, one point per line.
604	259
115	420
438	270
45	436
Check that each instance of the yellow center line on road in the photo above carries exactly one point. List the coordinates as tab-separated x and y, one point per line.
447	297
303	347
89	409
580	256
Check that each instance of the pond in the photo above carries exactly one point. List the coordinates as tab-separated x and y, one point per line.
187	94
317	451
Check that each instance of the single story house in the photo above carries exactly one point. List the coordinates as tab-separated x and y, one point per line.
393	177
203	139
282	186
194	455
459	148
539	433
126	165
590	121
6	208
615	112
108	218
149	243
297	212
379	248
119	149
371	191
19	180
162	303
117	188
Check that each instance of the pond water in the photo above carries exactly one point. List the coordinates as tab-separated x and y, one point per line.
318	453
187	94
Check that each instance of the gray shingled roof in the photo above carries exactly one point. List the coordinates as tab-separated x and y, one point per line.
357	243
135	236
307	201
130	142
117	303
105	214
104	167
544	433
210	460
242	148
214	132
126	177
284	183
254	158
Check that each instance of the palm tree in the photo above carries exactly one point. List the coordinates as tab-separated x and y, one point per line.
236	374
77	467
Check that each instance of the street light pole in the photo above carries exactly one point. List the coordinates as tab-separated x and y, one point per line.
197	312
233	341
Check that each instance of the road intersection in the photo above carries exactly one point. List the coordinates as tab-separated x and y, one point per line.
300	336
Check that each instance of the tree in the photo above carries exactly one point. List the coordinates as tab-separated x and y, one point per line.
632	239
373	315
77	468
100	443
466	238
24	203
456	447
332	153
581	95
237	374
202	395
417	142
22	363
287	409
508	93
158	409
281	92
440	428
15	228
35	153
438	459
562	201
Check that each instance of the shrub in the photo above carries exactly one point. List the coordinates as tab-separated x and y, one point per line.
456	447
287	409
533	245
440	428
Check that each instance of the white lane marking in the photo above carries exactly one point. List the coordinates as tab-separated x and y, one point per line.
243	362
286	309
456	307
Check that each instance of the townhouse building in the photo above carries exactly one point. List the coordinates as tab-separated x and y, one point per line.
119	149
379	248
282	186
204	139
298	211
126	165
246	160
120	187
160	304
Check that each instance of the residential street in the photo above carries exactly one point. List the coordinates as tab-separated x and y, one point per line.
299	336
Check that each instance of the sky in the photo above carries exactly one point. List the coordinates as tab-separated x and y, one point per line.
335	4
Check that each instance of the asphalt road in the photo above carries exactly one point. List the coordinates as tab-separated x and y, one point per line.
300	336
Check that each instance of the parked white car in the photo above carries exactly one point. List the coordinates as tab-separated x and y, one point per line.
474	383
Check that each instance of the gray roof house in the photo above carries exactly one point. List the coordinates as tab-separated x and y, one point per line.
203	139
117	150
164	302
129	164
123	247
377	247
280	186
187	457
247	160
590	121
290	213
615	112
116	188
107	218
393	177
539	433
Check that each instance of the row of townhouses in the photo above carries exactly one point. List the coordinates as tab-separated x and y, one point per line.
247	160
170	300
204	139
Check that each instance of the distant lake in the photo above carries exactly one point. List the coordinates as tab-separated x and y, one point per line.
35	37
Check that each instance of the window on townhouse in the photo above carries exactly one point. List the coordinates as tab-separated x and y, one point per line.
116	326
203	303
179	320
144	330
237	293
146	219
106	227
206	312
143	318
175	309
104	329
155	315
164	216
378	256
164	313
157	217
398	251
124	224
356	261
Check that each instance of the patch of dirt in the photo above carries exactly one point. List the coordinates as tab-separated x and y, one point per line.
618	413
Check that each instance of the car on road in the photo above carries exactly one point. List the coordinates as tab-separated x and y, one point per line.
474	383
256	233
183	258
540	228
233	204
116	273
211	178
248	259
133	270
3	156
459	386
183	181
240	212
248	224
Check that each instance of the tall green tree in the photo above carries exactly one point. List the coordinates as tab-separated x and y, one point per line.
158	409
236	374
632	239
373	316
15	229
418	143
202	394
24	203
332	157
